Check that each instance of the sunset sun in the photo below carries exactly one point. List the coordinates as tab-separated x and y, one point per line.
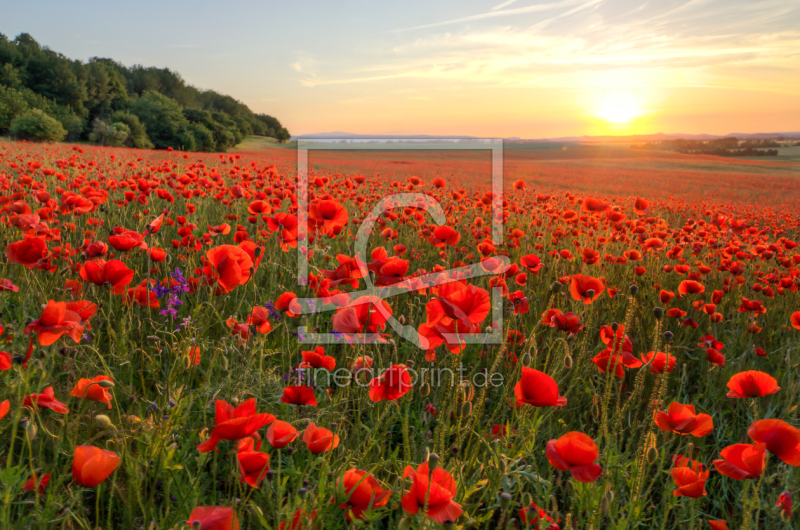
619	108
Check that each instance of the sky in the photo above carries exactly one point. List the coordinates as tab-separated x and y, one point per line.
493	68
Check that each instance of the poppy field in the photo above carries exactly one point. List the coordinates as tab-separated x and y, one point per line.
155	372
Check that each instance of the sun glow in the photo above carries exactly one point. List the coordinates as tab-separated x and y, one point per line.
619	107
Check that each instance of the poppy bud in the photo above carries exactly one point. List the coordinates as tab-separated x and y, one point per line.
590	293
568	362
433	461
103	421
466	409
556	287
658	312
652	455
224	361
405	523
614	327
449	525
502	466
252	270
489	329
105	383
634	290
526	499
402	319
257	252
570	337
424	390
505	500
526	360
668	336
302	492
454	449
31	430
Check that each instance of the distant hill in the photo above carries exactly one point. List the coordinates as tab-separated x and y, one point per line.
628	138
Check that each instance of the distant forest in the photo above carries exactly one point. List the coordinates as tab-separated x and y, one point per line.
48	97
729	146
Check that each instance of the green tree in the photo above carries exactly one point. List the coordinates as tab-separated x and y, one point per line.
162	117
112	134
137	136
37	126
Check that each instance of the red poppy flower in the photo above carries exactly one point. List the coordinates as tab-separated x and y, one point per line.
92	465
682	419
575	452
580	286
567	322
690	478
531	262
318	359
661	362
45	400
55	322
519	302
253	464
785	503
4	408
213	518
741	461
367	314
328	217
280	434
5	360
234	424
392	384
538	389
458	301
319	439
8	285
258	318
536	517
795	320
37	484
718	524
436	491
363	493
715	357
782	439
300	521
752	383
91	390
691	287
299	395
29	252
232	265
444	235
127	240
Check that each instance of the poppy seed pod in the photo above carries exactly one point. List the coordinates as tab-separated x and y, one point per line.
257	251
658	313
668	336
634	290
590	293
614	327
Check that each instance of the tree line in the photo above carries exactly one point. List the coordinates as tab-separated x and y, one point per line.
48	97
728	146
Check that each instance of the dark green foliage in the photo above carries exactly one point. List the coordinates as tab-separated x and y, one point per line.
37	126
138	133
77	94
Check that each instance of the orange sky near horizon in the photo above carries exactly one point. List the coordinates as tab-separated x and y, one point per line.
487	68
